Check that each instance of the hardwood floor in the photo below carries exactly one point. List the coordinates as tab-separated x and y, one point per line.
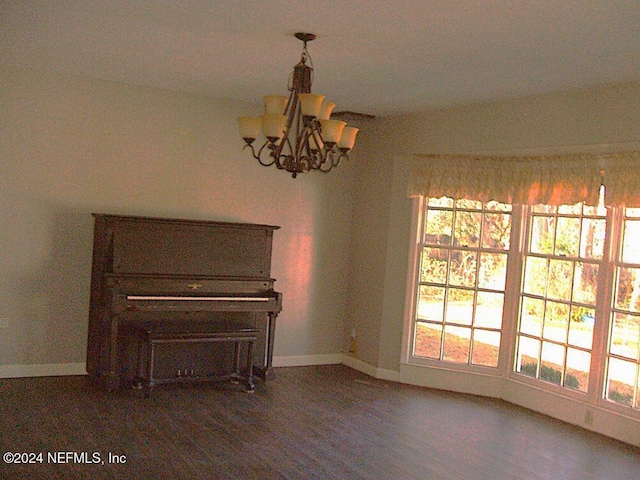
325	422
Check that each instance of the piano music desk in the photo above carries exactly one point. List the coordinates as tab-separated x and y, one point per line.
150	336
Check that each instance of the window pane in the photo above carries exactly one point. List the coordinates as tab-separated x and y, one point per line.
438	228
551	363
531	316
568	237
560	279
489	307
542	232
463	268
592	242
535	275
585	282
628	294
575	209
456	344
581	327
434	265
485	348
469	204
431	303
497	206
528	352
493	270
578	365
621	378
625	335
467	229
496	231
444	202
460	306
545	209
427	340
631	246
556	322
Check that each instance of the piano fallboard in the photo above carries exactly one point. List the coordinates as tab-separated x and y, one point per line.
123	303
166	284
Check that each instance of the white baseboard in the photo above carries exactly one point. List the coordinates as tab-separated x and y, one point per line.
381	373
308	360
62	369
336	358
42	370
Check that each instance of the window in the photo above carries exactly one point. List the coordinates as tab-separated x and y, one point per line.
539	279
623	345
463	265
563	257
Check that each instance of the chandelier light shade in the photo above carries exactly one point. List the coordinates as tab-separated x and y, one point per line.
300	134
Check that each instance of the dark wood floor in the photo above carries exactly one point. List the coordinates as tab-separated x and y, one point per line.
327	422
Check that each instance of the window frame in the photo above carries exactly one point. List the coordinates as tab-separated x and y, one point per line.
420	205
521	219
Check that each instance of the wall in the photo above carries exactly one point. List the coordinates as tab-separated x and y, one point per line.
71	146
594	120
602	119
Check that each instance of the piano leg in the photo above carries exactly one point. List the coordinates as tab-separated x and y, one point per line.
237	375
249	383
268	373
113	381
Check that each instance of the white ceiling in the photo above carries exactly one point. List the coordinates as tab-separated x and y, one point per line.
375	57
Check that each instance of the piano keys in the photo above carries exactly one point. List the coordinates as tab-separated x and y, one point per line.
152	272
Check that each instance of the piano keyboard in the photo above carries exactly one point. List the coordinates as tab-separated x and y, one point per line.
196	298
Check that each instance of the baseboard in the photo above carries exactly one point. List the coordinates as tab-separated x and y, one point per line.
307	360
381	373
336	358
61	369
42	370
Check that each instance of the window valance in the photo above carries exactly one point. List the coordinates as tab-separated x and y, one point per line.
548	179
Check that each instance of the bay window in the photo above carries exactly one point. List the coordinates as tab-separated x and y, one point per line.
521	273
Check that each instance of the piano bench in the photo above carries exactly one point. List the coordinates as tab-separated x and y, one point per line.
150	338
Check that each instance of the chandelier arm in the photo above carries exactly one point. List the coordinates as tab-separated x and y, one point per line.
253	150
326	166
258	156
340	157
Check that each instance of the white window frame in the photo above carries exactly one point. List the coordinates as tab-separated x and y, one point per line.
506	366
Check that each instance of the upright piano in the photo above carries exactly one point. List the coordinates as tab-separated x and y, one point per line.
151	272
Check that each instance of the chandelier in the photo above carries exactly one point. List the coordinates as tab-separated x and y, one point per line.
300	135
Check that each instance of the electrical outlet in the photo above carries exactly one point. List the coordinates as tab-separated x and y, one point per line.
588	417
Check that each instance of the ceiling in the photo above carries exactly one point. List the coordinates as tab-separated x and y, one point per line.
375	57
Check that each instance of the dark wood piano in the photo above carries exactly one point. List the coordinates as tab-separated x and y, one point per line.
174	274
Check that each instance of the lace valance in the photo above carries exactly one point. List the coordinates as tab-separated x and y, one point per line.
547	179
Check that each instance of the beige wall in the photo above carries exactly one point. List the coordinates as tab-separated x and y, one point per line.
71	146
595	120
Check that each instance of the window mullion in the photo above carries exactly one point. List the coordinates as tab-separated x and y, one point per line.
512	290
606	282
